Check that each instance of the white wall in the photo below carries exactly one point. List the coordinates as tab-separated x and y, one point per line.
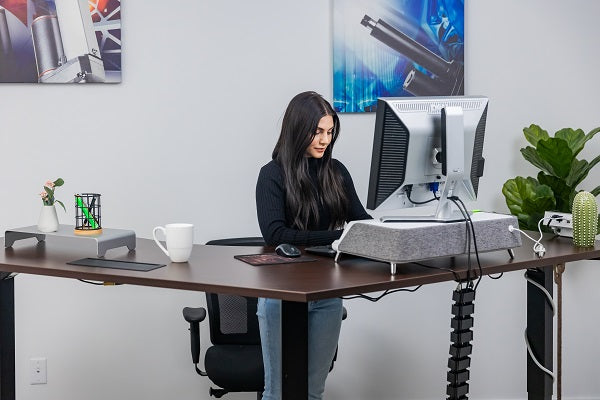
204	88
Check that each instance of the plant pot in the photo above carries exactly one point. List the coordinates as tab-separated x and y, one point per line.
48	221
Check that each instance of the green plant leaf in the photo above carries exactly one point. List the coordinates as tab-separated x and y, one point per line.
590	135
59	182
575	138
528	200
562	192
557	153
531	155
595	191
50	194
61	203
534	133
580	170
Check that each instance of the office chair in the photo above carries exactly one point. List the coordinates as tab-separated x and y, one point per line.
234	361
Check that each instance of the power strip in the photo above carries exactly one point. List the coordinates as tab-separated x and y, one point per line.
560	223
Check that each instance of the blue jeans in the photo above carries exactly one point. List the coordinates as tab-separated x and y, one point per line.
324	323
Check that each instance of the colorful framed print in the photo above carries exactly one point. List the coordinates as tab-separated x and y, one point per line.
60	41
396	48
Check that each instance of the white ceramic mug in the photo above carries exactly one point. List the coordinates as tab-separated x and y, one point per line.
179	240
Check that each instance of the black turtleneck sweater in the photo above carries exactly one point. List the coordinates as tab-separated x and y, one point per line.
276	228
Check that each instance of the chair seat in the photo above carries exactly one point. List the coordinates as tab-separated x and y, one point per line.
236	368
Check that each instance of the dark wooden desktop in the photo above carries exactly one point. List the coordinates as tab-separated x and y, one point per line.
213	269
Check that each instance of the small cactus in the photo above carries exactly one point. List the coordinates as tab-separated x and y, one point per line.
585	219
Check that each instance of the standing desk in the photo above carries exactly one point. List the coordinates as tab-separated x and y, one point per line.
213	269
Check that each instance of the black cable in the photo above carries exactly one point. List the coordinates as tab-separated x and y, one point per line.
496	277
469	223
468	235
456	277
474	243
409	191
474	239
385	293
98	283
90	282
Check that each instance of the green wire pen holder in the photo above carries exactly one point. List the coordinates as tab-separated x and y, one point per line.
87	214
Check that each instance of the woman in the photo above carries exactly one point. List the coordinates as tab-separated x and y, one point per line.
304	197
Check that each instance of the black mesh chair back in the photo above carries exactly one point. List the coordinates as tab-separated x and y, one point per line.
232	319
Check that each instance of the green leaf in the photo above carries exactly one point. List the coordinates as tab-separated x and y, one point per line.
580	170
50	194
562	192
61	203
575	139
534	133
595	191
59	182
557	153
591	134
528	200
531	155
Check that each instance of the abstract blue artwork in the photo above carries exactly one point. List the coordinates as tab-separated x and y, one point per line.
396	48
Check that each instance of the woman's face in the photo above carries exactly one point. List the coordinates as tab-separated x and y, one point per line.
322	138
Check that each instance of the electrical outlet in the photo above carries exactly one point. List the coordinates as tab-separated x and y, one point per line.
37	371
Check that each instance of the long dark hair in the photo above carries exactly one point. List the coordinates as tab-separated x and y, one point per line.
298	129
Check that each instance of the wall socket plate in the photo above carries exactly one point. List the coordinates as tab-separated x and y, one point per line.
38	371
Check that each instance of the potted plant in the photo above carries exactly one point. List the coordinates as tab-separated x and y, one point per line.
48	220
560	173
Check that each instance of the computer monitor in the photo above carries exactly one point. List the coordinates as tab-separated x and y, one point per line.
425	150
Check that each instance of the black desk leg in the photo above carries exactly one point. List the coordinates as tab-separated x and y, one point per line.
7	338
539	332
294	345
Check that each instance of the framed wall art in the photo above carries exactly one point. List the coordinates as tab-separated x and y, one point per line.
396	48
60	41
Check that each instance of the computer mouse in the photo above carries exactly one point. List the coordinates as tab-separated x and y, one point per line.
287	250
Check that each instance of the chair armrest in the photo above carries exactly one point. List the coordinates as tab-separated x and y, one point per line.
194	314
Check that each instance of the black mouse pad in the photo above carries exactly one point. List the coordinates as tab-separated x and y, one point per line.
117	264
270	259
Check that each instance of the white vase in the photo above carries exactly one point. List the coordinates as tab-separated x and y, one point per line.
48	221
